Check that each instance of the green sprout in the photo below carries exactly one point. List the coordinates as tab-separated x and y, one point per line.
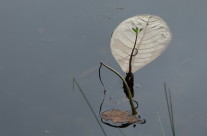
137	30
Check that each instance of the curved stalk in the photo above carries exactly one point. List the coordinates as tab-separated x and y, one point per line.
134	112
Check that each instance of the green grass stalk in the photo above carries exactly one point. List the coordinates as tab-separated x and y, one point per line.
170	108
89	105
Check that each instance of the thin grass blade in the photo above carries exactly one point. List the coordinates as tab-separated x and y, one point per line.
89	105
171	110
122	133
169	107
161	126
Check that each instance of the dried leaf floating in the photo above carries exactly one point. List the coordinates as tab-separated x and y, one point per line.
119	116
151	42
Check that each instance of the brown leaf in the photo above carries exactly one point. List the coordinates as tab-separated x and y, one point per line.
118	116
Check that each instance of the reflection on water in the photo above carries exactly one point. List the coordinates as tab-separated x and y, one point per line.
35	82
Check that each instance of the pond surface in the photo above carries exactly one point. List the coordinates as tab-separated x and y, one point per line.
45	43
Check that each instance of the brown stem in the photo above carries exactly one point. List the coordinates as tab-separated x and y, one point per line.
130	59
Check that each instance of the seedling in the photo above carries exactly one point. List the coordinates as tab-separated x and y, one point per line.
134	43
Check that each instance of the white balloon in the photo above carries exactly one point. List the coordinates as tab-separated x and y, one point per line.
151	41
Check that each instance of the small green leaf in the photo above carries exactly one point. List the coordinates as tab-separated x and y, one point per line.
140	30
135	30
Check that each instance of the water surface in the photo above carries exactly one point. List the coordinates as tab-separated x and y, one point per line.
44	44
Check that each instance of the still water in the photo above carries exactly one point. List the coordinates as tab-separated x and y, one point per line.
44	44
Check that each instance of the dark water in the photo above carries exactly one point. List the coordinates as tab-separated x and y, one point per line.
45	43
